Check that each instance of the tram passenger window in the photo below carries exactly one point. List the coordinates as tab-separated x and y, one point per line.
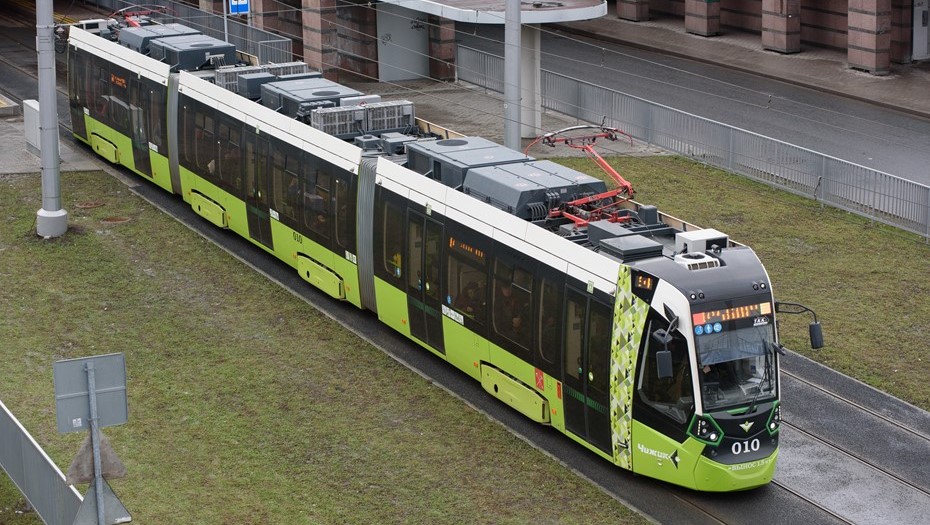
345	216
600	326
549	325
415	255
574	335
205	138
393	223
139	131
230	173
76	74
187	145
433	262
316	203
673	396
280	185
467	289
101	90
118	103
292	185
155	103
513	299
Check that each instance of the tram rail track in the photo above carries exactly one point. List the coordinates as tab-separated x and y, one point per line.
811	502
858	458
859	406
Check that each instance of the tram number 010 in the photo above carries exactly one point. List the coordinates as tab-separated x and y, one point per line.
745	447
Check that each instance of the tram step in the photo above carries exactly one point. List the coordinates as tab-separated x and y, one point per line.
104	148
320	276
209	210
516	394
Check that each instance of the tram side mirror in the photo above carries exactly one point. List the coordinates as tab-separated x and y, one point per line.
816	332
664	356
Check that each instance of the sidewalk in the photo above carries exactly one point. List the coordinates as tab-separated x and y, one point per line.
15	159
907	87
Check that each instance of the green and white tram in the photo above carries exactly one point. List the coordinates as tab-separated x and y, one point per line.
647	340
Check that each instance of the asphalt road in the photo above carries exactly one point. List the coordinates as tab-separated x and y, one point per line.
855	131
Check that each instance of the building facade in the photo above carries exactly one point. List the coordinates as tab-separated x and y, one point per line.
352	38
874	33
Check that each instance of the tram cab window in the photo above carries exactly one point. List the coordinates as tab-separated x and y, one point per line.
672	396
736	365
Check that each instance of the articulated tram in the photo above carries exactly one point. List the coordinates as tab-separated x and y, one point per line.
647	340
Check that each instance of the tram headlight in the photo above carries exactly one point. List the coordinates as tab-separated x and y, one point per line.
774	422
705	429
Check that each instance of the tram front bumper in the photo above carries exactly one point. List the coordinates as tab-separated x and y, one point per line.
717	477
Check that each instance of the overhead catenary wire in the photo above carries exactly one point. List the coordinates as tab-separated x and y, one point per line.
769	98
336	66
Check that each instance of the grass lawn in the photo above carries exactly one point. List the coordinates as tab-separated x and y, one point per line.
246	404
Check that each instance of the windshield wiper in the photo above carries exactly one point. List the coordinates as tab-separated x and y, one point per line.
767	350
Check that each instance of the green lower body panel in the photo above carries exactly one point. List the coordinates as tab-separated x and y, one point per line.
209	210
521	397
712	476
320	276
104	148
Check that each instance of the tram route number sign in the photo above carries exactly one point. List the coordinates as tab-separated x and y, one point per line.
238	7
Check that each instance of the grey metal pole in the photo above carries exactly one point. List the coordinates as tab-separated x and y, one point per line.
95	440
512	75
225	21
51	220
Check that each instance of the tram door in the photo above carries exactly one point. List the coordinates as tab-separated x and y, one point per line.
257	191
140	141
587	369
424	302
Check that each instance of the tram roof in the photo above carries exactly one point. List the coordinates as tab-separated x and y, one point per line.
492	11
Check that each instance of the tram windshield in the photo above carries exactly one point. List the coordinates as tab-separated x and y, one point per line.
736	365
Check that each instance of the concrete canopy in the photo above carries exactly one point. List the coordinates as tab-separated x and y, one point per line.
492	11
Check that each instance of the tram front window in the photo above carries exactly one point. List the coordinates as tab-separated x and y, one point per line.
736	366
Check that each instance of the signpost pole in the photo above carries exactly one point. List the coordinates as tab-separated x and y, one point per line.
95	439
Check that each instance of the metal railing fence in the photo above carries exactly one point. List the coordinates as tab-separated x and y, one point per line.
874	194
267	46
35	474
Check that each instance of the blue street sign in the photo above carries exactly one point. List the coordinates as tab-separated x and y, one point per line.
238	7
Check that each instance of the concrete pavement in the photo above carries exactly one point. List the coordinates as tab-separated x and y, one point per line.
906	88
